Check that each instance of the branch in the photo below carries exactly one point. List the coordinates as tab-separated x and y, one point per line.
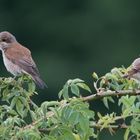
103	94
93	97
114	127
48	115
123	126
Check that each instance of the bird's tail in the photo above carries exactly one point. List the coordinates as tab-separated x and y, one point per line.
39	82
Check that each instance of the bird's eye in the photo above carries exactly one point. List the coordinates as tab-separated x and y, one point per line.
4	40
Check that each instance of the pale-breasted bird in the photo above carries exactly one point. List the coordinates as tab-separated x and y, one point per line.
17	58
134	71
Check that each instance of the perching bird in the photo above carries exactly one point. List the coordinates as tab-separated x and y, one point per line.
134	71
17	58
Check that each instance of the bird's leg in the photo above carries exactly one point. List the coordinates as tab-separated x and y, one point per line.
14	78
17	76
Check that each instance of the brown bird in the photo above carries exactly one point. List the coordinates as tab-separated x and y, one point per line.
134	72
17	58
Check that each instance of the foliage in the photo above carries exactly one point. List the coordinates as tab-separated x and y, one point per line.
70	118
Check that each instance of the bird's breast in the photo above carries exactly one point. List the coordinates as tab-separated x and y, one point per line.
10	66
136	76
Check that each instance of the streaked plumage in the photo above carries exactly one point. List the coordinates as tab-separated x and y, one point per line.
17	58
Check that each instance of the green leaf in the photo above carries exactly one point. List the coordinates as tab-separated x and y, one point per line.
127	101
12	112
126	112
75	89
48	138
135	126
66	134
111	99
77	137
31	86
74	118
77	80
105	101
84	86
84	123
18	121
24	101
5	94
66	113
60	93
65	92
25	112
33	115
13	102
19	107
33	136
126	134
95	76
102	82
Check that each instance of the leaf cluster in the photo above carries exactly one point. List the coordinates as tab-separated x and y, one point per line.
69	118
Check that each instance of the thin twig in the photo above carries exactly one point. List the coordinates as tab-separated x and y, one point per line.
94	97
103	94
123	126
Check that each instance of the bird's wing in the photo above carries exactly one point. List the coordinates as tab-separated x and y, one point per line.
21	56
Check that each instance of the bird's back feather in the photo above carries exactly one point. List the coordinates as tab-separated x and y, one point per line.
21	57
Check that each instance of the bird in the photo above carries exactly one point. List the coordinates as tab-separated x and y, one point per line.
134	71
18	59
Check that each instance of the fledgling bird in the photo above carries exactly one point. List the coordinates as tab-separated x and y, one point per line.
17	58
134	71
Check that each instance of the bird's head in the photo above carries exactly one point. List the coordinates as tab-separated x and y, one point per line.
6	39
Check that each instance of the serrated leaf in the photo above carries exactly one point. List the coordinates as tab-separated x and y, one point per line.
84	123
33	136
65	92
19	107
24	101
84	86
12	112
126	112
31	86
66	113
74	118
13	102
105	101
75	89
111	99
77	80
66	136
25	111
127	101
33	115
135	126
17	121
